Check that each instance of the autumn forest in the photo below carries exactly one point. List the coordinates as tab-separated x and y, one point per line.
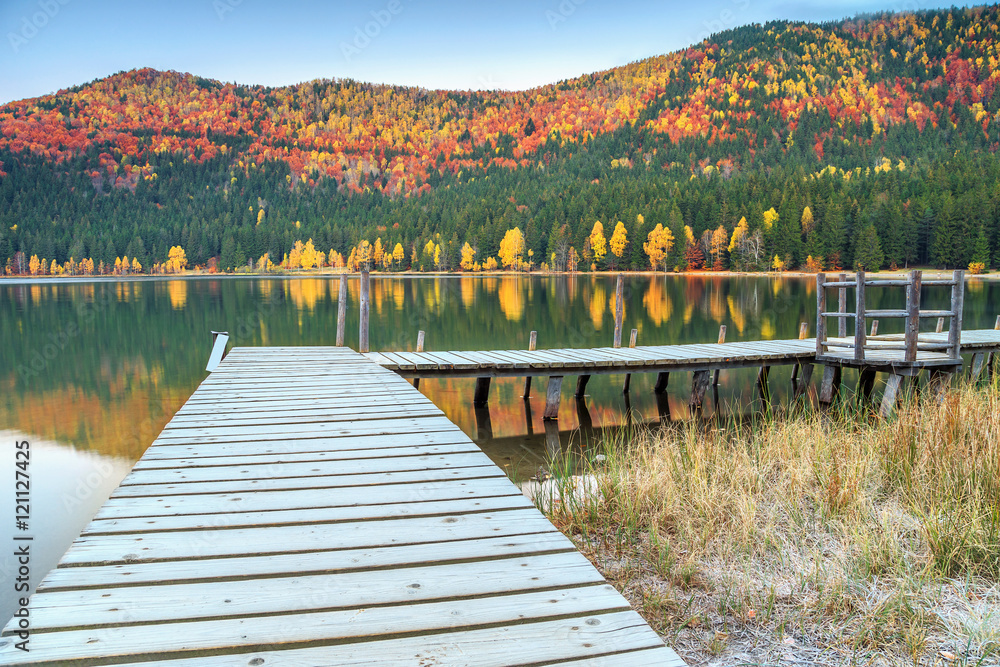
867	143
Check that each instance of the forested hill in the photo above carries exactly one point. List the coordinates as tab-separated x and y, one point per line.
871	141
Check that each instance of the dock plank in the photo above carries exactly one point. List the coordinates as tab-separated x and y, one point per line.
305	502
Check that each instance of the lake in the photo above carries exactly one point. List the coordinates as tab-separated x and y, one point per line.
92	371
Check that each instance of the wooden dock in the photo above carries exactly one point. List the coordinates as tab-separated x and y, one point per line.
703	361
307	507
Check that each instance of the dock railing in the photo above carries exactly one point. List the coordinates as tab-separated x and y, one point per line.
912	313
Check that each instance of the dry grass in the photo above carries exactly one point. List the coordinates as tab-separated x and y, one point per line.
812	538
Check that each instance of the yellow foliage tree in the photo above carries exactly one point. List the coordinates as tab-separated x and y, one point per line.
770	217
718	246
491	264
512	248
295	256
364	255
34	265
398	253
741	231
468	257
260	216
136	266
778	264
619	239
378	252
176	260
658	243
807	220
307	257
598	244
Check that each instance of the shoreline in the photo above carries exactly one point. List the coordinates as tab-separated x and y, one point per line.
205	275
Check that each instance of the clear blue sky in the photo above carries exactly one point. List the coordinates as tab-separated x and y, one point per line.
514	44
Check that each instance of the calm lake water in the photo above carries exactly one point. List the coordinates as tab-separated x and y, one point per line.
92	371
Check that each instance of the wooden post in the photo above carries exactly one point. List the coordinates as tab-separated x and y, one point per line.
957	305
859	319
912	331
797	368
976	368
992	358
891	396
581	386
938	382
940	325
866	383
722	339
699	384
762	387
628	376
553	448
484	423
552	392
482	395
806	377
874	331
365	306
420	348
219	341
830	386
583	416
532	340
619	310
662	379
820	309
341	310
842	307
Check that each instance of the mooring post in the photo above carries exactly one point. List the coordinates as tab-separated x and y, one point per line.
628	376
874	328
420	348
619	310
341	310
552	393
722	339
532	340
365	307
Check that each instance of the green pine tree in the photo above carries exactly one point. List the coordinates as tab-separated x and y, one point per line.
867	249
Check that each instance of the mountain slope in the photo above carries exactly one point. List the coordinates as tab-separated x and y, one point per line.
887	121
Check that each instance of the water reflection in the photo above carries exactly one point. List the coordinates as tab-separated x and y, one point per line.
67	488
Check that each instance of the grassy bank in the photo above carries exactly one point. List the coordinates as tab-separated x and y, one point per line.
809	538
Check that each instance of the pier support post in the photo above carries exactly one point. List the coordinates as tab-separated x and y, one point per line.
532	341
619	310
976	368
420	348
365	308
482	395
628	376
866	384
484	424
699	384
938	382
583	415
763	390
722	339
581	386
805	377
830	386
797	368
552	393
341	310
662	379
892	395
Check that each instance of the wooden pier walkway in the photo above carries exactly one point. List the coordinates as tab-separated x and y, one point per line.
702	360
307	507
